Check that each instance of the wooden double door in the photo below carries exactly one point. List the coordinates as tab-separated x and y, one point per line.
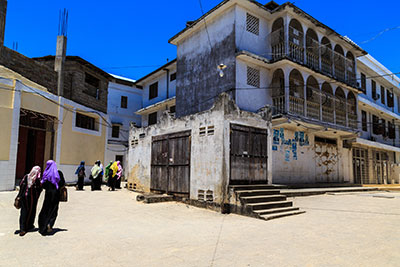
170	163
248	155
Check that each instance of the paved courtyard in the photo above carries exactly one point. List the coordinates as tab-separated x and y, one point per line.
112	229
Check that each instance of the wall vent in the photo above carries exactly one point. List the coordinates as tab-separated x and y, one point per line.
252	24
253	77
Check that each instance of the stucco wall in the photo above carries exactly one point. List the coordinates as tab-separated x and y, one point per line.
209	165
198	80
298	159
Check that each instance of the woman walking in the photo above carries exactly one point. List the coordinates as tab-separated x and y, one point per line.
97	175
80	171
52	181
29	192
112	174
108	174
119	175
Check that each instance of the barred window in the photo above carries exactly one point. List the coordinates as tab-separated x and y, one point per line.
253	77
252	24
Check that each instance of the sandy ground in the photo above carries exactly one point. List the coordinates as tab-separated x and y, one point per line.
112	229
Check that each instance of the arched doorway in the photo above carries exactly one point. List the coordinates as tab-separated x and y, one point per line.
277	39
326	56
352	110
296	92
296	43
339	63
350	69
340	107
313	98
327	103
312	49
278	91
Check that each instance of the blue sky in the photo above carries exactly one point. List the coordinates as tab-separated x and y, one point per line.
130	37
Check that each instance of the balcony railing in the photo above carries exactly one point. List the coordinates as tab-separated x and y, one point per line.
313	54
333	109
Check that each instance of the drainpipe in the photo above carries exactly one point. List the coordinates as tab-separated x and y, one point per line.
167	70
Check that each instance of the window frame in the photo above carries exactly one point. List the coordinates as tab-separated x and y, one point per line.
85	122
152	118
124	102
153	90
114	127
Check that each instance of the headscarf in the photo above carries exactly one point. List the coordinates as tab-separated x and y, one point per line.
80	167
33	175
119	173
114	168
96	170
51	173
107	170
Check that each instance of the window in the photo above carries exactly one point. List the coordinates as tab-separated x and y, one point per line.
325	140
252	24
364	121
172	109
383	95
253	77
383	128
390	99
173	77
115	131
85	122
375	125
391	130
124	102
363	83
153	90
92	85
152	118
373	88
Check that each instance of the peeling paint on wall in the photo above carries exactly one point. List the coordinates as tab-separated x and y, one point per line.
289	145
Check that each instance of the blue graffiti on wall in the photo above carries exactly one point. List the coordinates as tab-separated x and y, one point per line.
289	145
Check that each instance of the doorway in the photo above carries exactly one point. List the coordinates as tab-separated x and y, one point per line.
35	142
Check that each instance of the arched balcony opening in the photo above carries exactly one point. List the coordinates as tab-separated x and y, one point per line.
277	39
340	107
296	92
339	63
278	91
312	49
352	110
350	69
326	56
313	98
296	41
327	103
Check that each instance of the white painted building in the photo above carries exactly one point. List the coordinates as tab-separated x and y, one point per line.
124	99
159	89
277	55
376	152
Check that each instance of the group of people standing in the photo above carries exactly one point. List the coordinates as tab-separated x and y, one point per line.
112	175
31	187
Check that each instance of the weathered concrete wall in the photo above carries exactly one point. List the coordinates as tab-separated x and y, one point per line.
198	81
298	159
210	164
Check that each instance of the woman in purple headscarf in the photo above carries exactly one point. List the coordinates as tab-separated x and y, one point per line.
52	181
29	192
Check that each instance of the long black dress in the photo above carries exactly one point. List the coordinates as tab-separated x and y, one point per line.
29	199
81	178
49	212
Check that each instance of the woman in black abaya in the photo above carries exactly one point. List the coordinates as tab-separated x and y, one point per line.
29	192
52	181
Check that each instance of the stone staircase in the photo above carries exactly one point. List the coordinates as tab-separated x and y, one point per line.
263	201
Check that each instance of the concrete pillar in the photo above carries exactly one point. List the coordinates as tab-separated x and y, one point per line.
286	27
59	62
3	13
287	74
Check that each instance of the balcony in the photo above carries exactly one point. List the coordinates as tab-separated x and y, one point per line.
305	49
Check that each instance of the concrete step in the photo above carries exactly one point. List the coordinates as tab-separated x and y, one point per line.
257	192
277	210
265	198
252	187
280	215
269	205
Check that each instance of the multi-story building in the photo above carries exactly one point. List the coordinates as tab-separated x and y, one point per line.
376	150
124	98
44	117
277	55
159	88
